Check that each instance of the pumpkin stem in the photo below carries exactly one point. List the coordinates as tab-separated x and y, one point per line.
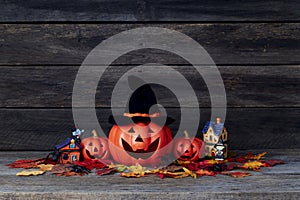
95	133
186	134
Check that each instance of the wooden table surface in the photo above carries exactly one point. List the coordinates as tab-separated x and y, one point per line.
278	182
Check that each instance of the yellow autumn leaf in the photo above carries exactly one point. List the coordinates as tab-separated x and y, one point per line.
183	162
45	167
137	168
30	173
151	171
259	156
133	174
254	165
172	173
189	172
212	162
183	175
115	165
136	171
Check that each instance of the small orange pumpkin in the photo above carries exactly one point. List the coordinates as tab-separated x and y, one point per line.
189	148
139	143
95	147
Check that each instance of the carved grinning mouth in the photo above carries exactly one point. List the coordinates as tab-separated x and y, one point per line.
141	153
187	157
96	156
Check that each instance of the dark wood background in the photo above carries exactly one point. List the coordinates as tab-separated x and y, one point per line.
255	44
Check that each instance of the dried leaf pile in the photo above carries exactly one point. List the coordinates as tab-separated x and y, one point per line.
178	169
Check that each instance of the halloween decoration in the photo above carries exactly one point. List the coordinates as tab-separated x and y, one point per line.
213	132
95	147
140	137
76	133
218	151
177	169
141	134
189	148
141	107
139	143
67	152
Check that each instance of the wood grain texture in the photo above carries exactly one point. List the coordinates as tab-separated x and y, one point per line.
246	86
278	182
229	43
146	10
231	10
249	128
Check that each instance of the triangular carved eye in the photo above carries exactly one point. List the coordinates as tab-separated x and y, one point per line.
150	130
131	130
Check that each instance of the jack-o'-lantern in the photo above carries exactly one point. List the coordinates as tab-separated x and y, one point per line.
187	148
141	135
95	147
139	143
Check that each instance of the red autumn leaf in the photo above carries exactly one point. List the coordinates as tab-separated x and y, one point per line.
271	163
26	161
61	168
191	166
26	164
98	164
86	163
231	166
237	174
105	171
71	173
91	164
49	161
240	159
161	175
250	156
202	172
200	165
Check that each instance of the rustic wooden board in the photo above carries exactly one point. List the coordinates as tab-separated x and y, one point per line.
278	182
246	86
231	10
229	43
146	10
249	128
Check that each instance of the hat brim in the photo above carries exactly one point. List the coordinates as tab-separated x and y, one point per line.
123	120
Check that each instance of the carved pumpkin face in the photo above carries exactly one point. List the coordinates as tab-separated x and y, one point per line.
189	149
95	148
139	143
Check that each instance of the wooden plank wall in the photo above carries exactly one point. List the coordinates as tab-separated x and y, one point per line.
255	44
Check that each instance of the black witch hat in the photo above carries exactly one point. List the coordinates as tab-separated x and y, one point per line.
142	105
